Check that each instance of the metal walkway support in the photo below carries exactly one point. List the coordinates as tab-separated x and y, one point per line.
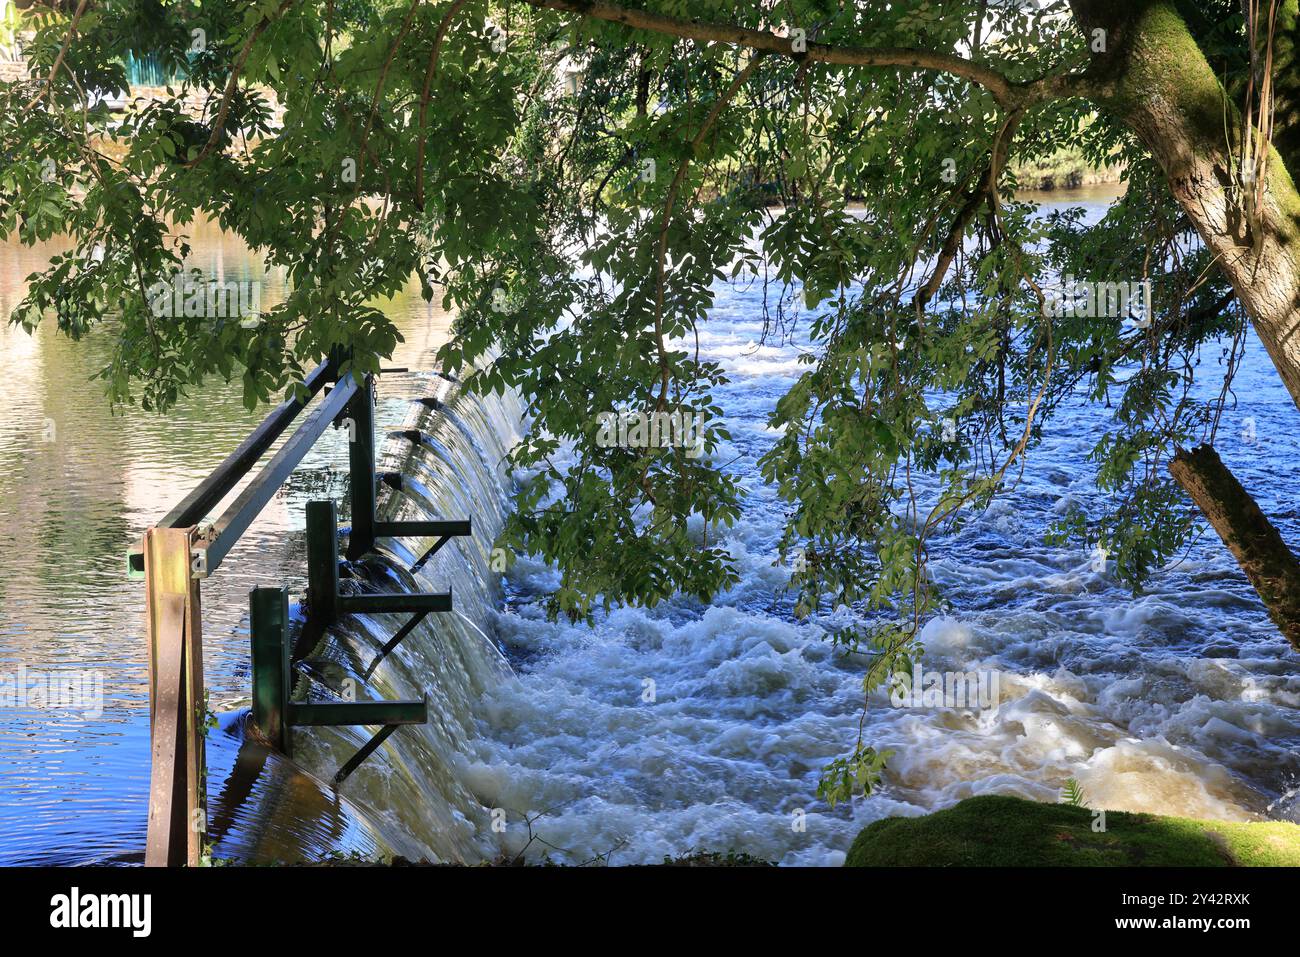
325	604
268	618
177	813
361	464
172	558
275	714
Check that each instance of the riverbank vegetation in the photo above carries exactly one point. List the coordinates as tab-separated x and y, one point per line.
1065	169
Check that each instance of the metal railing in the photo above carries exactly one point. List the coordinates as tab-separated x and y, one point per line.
176	554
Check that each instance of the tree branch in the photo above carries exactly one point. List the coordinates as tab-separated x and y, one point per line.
985	189
219	124
1003	90
383	78
1258	547
48	86
429	72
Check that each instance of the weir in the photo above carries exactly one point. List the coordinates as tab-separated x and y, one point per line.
370	649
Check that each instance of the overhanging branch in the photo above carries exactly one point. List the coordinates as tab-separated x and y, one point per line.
1007	93
985	189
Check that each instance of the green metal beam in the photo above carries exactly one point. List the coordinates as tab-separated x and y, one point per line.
358	713
323	562
417	601
269	621
417	529
361	464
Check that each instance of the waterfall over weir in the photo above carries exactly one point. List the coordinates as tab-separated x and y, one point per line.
406	798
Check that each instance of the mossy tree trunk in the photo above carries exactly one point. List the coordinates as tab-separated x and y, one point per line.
1157	80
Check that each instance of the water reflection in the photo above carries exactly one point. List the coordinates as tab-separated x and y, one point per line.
78	484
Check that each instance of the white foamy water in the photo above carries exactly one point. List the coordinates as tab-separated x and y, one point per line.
1182	700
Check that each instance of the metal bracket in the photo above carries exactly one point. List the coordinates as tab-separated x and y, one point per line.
393	642
324	602
275	715
390	714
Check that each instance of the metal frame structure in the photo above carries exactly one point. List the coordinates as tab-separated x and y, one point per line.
174	556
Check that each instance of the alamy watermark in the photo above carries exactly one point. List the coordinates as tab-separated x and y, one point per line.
74	910
974	690
1088	298
681	428
77	691
185	297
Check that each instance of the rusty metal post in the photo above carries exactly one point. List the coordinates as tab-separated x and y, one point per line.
177	812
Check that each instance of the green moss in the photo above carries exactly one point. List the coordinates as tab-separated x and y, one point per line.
1010	832
1164	60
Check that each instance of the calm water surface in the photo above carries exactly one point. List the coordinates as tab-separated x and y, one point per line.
78	485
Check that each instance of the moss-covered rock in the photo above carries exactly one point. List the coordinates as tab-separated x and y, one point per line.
1010	832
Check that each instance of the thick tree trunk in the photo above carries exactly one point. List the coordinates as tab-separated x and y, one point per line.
1157	80
1252	539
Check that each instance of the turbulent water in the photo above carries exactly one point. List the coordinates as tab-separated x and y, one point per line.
1181	700
543	739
